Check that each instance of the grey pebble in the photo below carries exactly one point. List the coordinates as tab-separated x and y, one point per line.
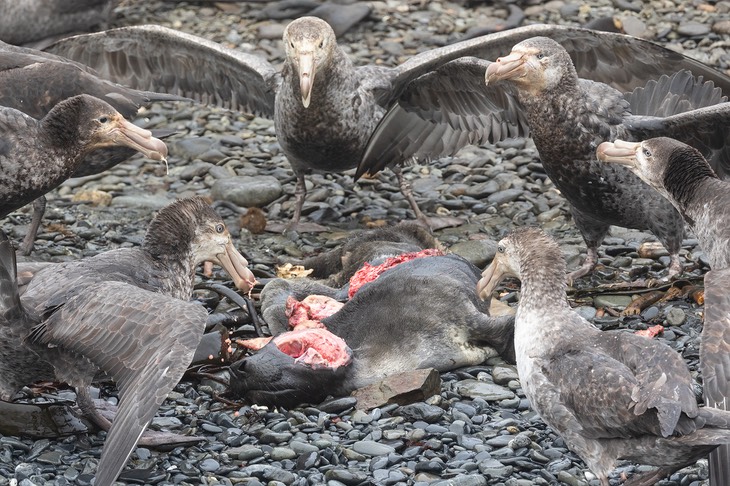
488	391
282	453
307	460
246	452
586	312
302	447
209	465
247	191
372	448
463	480
693	29
191	147
478	252
676	316
271	437
346	476
505	196
421	411
148	201
143	453
503	374
338	405
650	313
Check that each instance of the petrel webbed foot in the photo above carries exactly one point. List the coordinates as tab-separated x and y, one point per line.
101	413
675	266
587	267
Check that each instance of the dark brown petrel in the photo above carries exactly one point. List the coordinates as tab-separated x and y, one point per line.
38	155
329	114
537	91
611	395
680	174
568	118
34	82
125	312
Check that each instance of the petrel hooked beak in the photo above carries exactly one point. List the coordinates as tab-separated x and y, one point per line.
491	277
618	152
307	70
507	67
123	132
236	266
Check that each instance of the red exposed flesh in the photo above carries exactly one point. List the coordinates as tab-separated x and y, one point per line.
653	331
316	348
311	308
309	324
309	342
295	311
368	272
321	306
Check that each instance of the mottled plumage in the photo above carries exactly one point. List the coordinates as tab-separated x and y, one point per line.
34	82
680	173
346	103
124	312
536	91
38	155
611	395
569	117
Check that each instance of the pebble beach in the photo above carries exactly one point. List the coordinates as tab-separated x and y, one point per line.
480	429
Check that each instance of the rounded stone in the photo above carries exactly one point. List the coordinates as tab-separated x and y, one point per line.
282	453
209	465
676	316
247	192
372	448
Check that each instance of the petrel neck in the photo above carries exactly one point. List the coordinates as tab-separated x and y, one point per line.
686	174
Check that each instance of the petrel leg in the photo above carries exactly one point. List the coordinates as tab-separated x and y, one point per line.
87	406
593	233
39	208
586	267
428	222
405	189
675	266
150	438
300	192
295	226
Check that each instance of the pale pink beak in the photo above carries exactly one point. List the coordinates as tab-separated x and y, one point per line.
307	70
507	67
129	134
237	267
618	152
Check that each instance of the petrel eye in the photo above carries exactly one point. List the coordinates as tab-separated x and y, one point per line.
540	55
219	228
500	249
321	44
103	119
647	153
